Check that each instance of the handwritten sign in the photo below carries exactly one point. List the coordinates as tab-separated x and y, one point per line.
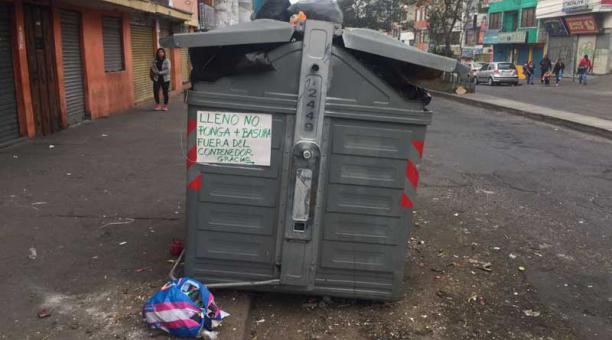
234	138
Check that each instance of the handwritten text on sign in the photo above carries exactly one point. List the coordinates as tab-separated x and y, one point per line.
234	138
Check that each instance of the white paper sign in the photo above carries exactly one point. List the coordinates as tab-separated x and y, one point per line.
234	138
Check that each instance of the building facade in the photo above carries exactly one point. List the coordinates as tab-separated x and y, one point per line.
421	36
576	28
65	61
513	31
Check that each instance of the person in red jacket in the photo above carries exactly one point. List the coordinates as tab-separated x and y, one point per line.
584	67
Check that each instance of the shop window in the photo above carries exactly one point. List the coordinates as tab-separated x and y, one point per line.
112	42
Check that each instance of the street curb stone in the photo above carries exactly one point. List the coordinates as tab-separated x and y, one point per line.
579	126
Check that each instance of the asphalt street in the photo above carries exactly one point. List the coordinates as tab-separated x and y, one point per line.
512	235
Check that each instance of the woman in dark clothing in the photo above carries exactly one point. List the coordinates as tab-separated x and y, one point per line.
545	65
558	71
160	74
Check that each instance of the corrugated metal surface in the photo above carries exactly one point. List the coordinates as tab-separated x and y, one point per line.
9	125
142	57
113	44
73	67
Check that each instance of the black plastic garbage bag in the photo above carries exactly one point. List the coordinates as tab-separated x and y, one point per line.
325	10
211	64
274	9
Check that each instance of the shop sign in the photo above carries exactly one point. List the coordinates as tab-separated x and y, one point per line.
570	6
606	3
555	27
467	52
512	37
582	24
490	37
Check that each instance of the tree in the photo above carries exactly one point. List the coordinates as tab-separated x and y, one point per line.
443	16
373	14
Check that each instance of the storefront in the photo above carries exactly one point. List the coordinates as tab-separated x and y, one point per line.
576	28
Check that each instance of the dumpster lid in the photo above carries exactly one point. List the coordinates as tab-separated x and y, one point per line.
373	42
261	31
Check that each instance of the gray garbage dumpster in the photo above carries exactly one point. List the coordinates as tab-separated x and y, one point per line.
302	156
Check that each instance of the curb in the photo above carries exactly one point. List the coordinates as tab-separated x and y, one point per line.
590	129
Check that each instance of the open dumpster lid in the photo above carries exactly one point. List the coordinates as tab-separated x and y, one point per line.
262	31
369	41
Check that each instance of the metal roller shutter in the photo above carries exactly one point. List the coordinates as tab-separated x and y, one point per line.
9	123
142	56
113	44
73	67
186	69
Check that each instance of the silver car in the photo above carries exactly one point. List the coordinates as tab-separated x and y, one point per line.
497	73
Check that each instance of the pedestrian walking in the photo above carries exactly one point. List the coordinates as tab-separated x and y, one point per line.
584	67
558	71
545	66
529	70
160	75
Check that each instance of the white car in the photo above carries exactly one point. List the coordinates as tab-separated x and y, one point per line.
497	73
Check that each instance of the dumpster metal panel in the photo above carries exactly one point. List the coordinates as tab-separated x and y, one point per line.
362	228
236	219
332	213
367	171
374	42
260	31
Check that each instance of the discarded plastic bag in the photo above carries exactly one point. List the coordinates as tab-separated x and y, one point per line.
325	10
183	307
274	9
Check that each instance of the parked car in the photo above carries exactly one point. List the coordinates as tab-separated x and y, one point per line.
497	73
474	68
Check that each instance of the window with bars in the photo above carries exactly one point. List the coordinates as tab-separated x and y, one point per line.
495	21
112	42
528	17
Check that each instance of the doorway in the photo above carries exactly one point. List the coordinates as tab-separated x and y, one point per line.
41	63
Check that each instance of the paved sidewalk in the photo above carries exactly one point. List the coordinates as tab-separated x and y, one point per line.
594	99
87	218
584	108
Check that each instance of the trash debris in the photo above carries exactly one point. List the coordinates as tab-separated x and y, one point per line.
144	269
122	243
176	247
68	174
521	268
456	214
512	256
565	257
51	146
43	313
33	254
473	298
104	135
530	312
486	266
184	307
260	321
36	204
15	156
496	248
126	220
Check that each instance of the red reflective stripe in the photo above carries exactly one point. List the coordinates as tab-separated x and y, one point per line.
196	184
406	202
192	156
412	173
418	145
192	124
